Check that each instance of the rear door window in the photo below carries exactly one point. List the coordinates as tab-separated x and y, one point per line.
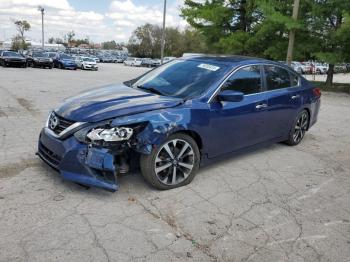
276	77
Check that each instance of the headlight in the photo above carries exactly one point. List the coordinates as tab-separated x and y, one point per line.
50	59
114	134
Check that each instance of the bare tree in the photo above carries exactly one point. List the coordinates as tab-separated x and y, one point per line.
18	41
22	26
69	36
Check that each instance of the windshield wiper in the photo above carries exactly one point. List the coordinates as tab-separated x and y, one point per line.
151	89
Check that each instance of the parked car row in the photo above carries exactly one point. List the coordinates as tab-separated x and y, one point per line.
318	68
146	62
100	56
310	67
42	59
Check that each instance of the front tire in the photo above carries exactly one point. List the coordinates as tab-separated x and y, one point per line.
299	128
173	164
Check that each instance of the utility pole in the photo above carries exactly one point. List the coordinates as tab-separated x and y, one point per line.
41	9
292	33
163	35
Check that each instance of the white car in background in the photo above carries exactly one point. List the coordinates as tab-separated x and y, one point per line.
97	60
168	58
132	61
156	62
84	62
297	66
321	68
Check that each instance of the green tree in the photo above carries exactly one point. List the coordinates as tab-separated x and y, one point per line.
51	40
226	25
146	41
330	26
261	28
109	45
18	44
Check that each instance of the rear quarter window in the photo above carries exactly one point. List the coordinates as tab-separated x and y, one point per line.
294	79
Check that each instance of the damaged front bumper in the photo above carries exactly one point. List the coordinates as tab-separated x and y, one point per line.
79	162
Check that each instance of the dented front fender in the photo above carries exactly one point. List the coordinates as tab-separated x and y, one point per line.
158	126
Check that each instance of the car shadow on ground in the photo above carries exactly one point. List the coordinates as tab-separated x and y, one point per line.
133	182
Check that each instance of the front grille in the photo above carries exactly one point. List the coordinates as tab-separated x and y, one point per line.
62	125
48	156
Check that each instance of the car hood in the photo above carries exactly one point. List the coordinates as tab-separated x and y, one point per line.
41	58
110	102
67	60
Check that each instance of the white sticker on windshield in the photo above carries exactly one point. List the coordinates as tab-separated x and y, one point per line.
209	67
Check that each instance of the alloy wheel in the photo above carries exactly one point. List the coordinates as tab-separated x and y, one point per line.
174	162
300	127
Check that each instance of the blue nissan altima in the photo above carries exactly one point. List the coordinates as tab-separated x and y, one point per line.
171	120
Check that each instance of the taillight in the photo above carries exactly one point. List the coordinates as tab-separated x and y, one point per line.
317	92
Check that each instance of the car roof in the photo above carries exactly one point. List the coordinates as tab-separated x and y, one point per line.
232	60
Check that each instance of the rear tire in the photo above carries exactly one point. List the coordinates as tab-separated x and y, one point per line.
177	168
299	128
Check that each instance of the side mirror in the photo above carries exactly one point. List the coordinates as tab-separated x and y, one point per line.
230	96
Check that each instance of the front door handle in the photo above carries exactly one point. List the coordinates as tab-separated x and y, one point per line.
259	106
295	96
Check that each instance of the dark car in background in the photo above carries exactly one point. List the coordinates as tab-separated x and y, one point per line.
64	61
39	59
11	58
183	114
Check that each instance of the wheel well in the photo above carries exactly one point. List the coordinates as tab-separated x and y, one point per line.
195	136
309	113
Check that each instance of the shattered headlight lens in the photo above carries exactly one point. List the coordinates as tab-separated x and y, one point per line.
110	135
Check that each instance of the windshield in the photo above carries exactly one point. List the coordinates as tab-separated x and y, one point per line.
181	78
11	54
51	55
88	59
64	56
38	54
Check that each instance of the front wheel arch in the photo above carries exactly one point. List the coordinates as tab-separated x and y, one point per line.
147	163
196	137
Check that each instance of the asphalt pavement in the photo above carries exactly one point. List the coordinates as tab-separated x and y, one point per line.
278	203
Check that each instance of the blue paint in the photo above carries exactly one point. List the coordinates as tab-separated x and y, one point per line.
222	127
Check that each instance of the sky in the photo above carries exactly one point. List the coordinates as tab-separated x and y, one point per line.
99	20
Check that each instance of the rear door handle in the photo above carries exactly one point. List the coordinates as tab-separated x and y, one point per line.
259	106
295	96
